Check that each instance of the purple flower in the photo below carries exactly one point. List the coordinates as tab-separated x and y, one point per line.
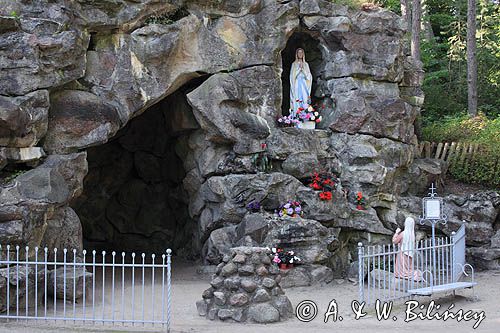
297	209
289	211
287	205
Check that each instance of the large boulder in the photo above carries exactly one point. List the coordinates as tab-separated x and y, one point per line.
78	119
57	181
311	240
23	119
45	48
21	281
30	199
233	108
371	107
63	231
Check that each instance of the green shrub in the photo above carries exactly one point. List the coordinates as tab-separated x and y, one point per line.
484	168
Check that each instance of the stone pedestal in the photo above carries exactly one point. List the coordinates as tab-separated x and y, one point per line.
246	287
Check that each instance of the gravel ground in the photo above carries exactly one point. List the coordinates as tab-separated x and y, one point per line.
188	286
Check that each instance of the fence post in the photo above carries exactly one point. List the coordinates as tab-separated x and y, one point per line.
361	273
169	292
453	275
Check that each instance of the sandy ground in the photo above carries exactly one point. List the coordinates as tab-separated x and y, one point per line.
188	286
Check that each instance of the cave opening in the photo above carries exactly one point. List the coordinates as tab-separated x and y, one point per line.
133	198
310	42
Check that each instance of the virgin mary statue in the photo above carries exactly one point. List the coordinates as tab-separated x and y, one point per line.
300	83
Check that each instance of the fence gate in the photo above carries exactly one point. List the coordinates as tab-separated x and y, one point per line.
88	287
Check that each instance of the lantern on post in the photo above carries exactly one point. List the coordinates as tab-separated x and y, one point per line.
433	212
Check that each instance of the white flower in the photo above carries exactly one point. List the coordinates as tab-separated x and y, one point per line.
310	108
312	118
320	118
273	249
316	113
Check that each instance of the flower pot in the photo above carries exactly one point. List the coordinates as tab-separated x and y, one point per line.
282	266
289	266
360	207
307	125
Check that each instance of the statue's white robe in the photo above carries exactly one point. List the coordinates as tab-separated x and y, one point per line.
300	87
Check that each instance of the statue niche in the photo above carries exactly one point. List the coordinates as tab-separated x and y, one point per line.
299	77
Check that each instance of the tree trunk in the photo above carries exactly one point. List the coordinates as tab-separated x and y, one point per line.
426	23
415	29
406	13
471	58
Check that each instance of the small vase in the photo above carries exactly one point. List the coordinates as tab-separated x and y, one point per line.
307	125
360	207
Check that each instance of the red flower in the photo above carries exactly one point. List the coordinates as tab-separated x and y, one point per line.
263	146
316	186
325	195
328	182
318	121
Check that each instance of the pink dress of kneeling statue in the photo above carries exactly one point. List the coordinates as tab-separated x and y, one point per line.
404	260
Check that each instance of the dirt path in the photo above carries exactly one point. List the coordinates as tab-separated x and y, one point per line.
188	286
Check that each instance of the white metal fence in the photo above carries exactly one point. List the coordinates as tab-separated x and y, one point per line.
382	276
96	288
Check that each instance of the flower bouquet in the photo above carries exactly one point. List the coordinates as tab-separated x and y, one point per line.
360	201
287	121
324	182
290	208
284	259
309	117
254	206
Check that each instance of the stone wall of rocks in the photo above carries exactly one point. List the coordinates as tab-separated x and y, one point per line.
246	287
75	73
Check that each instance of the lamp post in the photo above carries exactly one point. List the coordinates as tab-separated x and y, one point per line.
432	211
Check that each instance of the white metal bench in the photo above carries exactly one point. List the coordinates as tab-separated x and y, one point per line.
427	291
453	286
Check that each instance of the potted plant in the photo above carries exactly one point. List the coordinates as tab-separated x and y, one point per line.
360	201
284	259
290	208
254	206
324	182
287	121
308	117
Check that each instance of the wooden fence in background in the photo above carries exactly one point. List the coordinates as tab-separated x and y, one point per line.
454	152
